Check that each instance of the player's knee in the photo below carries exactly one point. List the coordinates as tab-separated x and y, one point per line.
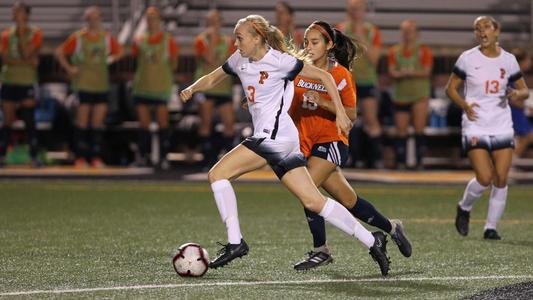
348	199
500	181
484	180
312	204
216	174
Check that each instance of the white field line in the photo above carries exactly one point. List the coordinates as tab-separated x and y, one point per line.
258	283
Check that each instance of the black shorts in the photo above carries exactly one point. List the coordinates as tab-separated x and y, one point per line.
93	98
149	101
282	156
217	99
367	91
334	152
487	142
402	107
16	93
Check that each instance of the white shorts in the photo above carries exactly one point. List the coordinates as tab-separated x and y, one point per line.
487	142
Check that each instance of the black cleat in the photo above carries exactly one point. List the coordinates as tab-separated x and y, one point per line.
379	252
314	260
491	234
399	238
228	253
461	221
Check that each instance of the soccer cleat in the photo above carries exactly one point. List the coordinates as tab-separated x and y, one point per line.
461	221
314	260
491	234
399	238
378	251
228	253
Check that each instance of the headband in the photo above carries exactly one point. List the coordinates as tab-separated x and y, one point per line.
322	30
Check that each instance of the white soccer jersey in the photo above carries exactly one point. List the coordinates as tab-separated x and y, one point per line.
269	89
486	81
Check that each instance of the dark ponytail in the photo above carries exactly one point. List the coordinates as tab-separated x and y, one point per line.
345	49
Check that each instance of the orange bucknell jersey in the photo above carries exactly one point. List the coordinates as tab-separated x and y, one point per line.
317	125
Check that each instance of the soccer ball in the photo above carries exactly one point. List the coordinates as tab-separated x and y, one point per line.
191	260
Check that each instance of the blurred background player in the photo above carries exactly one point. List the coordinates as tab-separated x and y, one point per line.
91	50
285	23
522	125
212	48
410	65
275	142
487	127
325	149
157	59
365	74
20	48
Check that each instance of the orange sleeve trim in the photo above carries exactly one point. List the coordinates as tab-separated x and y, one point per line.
69	46
115	46
173	48
5	41
37	39
427	56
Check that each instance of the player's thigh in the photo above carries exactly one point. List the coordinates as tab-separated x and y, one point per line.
161	113
340	189
420	114
82	115
319	169
299	182
99	114
502	163
143	115
482	164
9	110
401	121
235	163
28	103
205	111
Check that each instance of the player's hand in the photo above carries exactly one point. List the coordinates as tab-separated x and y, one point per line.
313	96
343	124
244	103
186	94
470	112
73	71
514	97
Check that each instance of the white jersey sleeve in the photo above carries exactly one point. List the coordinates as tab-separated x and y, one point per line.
230	66
460	67
290	65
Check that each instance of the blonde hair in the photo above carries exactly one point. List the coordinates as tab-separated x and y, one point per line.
271	36
495	23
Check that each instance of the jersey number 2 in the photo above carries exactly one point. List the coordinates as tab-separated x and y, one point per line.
492	86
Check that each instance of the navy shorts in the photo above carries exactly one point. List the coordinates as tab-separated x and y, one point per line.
93	98
282	156
487	142
217	99
16	93
149	101
404	107
334	152
367	91
521	124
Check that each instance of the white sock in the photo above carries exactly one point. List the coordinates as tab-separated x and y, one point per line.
227	207
338	216
473	191
498	198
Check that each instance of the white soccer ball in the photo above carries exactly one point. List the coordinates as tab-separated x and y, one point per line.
191	260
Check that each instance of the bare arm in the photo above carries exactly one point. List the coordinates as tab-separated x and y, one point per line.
343	122
451	91
63	61
519	93
205	82
373	53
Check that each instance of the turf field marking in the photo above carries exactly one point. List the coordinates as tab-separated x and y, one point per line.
257	283
475	221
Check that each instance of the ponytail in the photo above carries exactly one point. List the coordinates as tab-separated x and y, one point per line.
345	50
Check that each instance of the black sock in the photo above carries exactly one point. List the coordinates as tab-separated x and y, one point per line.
366	212
5	133
164	143
401	149
145	139
420	141
81	143
208	151
376	154
28	115
97	141
318	228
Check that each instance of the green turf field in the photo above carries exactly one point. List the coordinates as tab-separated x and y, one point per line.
116	240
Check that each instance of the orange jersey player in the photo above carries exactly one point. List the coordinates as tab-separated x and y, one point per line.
325	147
